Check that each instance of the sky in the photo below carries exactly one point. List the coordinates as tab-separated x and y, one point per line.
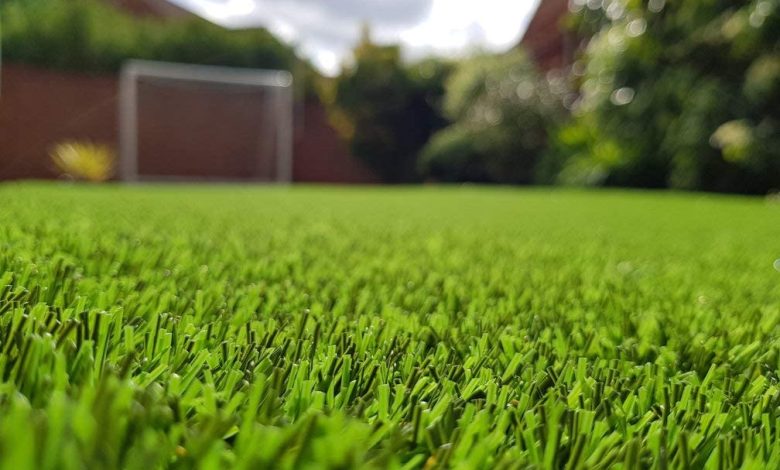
325	30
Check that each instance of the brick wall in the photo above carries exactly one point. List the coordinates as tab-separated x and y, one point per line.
39	108
318	147
547	43
162	9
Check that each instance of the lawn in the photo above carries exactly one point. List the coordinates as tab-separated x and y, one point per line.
274	327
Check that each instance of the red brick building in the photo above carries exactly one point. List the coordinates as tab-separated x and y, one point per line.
153	8
545	39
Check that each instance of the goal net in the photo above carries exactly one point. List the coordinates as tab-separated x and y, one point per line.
192	122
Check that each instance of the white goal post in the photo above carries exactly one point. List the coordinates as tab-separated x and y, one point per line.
277	104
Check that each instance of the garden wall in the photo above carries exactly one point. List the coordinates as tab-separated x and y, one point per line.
549	45
39	108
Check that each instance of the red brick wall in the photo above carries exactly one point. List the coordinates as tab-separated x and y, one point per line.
203	132
321	156
547	43
39	108
151	8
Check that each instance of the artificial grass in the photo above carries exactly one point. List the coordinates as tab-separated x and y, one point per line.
251	327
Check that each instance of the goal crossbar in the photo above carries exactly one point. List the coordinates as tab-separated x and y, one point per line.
279	81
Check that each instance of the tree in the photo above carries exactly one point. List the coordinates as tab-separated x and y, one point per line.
93	36
502	111
384	109
678	94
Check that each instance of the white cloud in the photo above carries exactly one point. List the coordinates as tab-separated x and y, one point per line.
225	10
325	30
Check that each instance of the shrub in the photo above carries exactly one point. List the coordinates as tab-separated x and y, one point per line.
386	110
88	35
452	155
84	161
502	112
685	91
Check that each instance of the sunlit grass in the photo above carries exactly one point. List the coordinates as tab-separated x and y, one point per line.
337	328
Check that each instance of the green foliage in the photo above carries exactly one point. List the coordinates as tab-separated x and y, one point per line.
214	327
385	109
502	111
686	90
89	35
453	155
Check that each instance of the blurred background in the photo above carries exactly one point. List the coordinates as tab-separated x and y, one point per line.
638	93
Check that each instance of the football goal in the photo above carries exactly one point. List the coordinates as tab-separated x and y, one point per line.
192	122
